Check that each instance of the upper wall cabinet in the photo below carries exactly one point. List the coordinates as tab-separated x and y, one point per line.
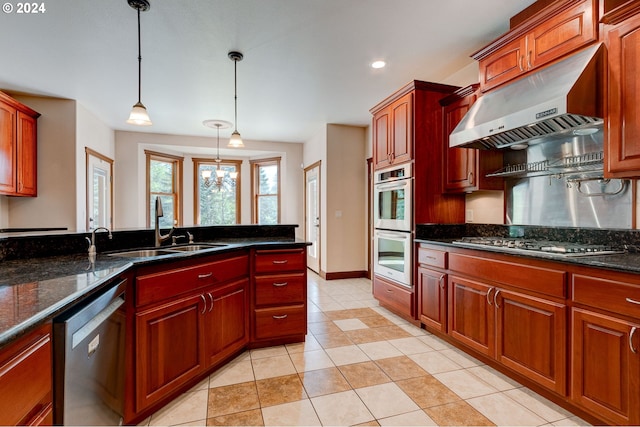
18	148
393	132
555	31
622	37
465	169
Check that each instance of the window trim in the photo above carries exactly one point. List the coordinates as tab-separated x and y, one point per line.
255	164
196	179
177	162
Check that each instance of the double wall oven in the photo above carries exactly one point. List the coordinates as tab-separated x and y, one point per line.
393	223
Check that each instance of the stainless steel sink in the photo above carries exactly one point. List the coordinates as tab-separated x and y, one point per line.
143	253
196	247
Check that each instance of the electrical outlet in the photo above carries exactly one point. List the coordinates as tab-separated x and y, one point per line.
469	215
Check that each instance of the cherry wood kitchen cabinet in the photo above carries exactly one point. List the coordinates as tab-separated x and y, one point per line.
398	298
18	148
393	133
279	313
605	343
466	169
512	312
622	131
199	308
432	288
26	383
553	32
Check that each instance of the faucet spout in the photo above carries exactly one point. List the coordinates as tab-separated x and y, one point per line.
160	238
92	242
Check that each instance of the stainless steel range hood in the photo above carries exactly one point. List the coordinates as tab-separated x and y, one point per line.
562	98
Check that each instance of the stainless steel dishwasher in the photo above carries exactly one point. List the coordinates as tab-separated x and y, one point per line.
89	360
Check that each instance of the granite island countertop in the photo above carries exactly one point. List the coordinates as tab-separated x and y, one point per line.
628	262
34	290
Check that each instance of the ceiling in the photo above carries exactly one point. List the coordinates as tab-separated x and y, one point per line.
306	62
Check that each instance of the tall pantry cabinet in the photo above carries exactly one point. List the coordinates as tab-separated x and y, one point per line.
408	128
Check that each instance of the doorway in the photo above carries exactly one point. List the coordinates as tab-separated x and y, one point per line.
312	215
99	190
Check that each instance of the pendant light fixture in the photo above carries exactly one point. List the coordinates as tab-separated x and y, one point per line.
235	141
139	115
220	180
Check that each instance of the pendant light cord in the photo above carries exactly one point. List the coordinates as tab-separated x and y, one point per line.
235	92
139	62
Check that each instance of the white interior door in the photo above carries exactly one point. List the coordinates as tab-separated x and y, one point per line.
99	190
312	215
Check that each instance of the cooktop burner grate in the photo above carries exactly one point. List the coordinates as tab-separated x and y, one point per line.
564	249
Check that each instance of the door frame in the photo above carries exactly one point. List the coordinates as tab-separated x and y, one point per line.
306	217
88	154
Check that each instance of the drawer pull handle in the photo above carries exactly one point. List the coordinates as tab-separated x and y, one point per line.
489	295
204	301
633	331
204	276
430	257
284	261
279	285
211	298
441	282
284	316
633	301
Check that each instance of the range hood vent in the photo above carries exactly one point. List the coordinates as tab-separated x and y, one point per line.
563	98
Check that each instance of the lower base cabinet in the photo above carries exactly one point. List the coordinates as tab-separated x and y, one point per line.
26	380
432	294
606	366
396	297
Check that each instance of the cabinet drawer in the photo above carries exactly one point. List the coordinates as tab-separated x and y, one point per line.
280	322
279	261
537	279
432	257
396	297
606	294
25	382
280	289
167	284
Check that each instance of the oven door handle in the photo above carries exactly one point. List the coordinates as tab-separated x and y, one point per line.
392	235
392	185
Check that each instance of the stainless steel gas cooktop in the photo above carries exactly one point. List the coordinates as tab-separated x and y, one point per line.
519	245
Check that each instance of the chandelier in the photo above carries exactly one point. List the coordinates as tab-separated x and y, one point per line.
222	178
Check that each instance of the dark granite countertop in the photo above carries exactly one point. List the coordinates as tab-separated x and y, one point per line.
33	290
628	262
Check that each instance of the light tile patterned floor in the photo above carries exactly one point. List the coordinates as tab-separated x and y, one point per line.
360	365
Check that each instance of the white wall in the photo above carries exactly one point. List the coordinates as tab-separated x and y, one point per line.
130	174
55	205
94	134
346	205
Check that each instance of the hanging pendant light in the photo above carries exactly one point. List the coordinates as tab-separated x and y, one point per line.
139	115
219	181
235	141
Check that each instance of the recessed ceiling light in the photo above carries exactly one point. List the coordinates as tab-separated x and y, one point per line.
378	64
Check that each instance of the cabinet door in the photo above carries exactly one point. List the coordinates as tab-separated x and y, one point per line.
402	134
459	163
432	287
471	314
561	34
531	338
27	164
169	348
227	321
505	64
381	131
605	369
7	149
623	130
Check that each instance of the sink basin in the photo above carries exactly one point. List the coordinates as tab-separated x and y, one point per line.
143	253
196	247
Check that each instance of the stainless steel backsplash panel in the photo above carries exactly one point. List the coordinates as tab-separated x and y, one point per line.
557	199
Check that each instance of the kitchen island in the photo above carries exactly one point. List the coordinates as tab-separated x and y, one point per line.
231	276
